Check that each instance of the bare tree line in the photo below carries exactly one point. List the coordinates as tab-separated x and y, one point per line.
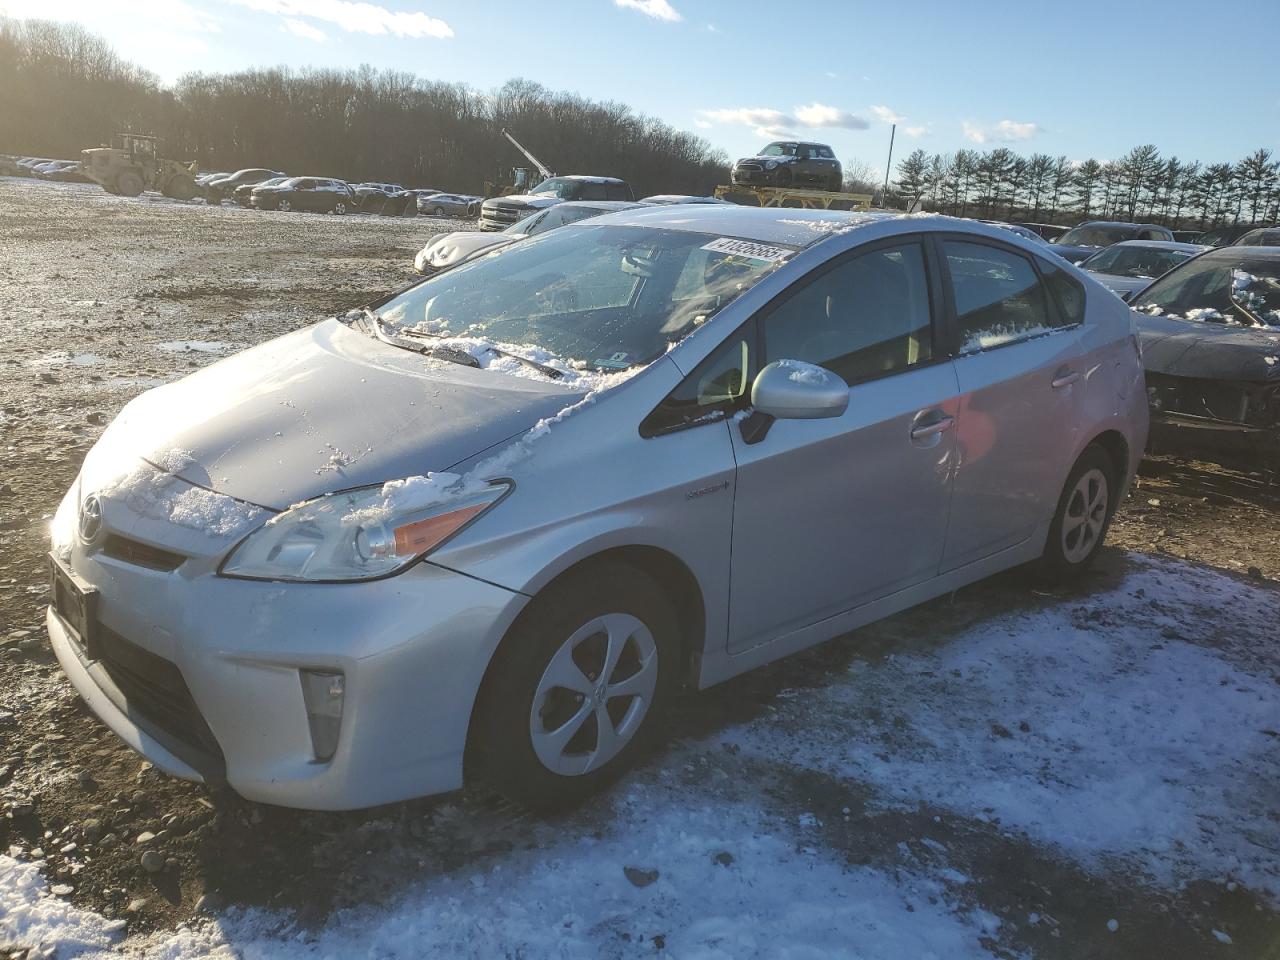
1140	186
63	89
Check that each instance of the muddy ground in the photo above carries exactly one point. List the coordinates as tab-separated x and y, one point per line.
102	297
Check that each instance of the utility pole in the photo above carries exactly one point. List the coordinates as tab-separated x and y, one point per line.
884	194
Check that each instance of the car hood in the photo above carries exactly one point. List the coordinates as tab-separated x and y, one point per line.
323	409
524	200
1072	252
1121	285
452	247
1211	351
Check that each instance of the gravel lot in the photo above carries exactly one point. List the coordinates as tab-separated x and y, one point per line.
102	297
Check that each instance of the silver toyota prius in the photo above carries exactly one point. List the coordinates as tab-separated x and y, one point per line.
492	524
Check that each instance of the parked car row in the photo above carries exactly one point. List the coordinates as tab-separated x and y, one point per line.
63	171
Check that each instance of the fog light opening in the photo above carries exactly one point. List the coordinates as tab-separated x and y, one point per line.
323	693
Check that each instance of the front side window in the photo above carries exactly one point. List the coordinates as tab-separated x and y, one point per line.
865	317
602	295
999	298
561	187
779	150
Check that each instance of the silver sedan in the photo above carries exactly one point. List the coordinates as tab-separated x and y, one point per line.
495	522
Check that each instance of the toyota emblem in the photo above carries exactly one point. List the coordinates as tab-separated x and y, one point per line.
90	518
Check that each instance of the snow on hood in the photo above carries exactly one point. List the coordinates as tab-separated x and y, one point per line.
327	409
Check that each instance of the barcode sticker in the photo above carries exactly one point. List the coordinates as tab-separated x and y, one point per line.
749	249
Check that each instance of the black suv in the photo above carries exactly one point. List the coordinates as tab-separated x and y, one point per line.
786	163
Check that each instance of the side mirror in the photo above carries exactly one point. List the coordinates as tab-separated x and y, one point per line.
795	390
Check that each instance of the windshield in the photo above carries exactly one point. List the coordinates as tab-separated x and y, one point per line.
1143	263
779	150
561	187
598	297
1218	289
1085	236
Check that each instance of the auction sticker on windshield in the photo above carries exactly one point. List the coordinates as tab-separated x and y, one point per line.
749	249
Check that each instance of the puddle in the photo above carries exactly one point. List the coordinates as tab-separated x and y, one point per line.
196	346
60	358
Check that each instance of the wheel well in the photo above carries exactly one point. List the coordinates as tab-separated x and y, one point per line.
677	582
1115	446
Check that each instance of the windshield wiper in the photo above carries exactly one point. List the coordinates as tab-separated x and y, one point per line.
542	368
436	353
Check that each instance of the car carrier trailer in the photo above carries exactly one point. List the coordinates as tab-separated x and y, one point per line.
793	197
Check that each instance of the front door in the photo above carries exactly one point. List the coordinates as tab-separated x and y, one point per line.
1020	380
830	514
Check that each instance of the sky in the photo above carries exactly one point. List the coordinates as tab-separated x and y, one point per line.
1084	78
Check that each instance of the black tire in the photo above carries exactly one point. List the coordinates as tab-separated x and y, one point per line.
284	205
180	187
835	184
339	208
438	212
129	184
783	177
1067	557
505	753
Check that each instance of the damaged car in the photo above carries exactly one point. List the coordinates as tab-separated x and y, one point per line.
480	528
786	163
1210	332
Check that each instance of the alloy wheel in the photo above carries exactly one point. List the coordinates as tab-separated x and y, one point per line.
594	694
1085	516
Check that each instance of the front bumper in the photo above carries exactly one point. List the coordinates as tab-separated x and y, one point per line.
413	649
755	176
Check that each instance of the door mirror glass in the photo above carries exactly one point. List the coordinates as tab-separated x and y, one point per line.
795	390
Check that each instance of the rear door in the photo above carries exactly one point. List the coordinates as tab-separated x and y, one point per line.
1020	375
830	514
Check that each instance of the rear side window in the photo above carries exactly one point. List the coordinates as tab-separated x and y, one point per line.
866	317
617	191
1067	292
999	298
825	153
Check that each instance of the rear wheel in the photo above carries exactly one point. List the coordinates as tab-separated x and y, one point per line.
340	208
129	184
284	205
1083	516
438	211
834	183
578	689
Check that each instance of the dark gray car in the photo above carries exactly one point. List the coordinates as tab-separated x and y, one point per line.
1080	243
786	163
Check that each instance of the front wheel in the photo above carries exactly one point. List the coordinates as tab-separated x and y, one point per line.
284	205
129	184
339	208
1083	516
579	687
438	211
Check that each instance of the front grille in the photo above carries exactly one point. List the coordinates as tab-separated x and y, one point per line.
156	694
141	554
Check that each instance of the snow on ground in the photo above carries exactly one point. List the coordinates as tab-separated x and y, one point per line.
1091	727
1131	733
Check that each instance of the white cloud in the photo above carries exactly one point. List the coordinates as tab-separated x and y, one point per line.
1017	129
1006	131
820	115
887	115
703	124
658	9
774	124
355	16
915	132
300	28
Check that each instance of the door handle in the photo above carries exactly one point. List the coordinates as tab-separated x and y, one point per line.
932	428
1065	380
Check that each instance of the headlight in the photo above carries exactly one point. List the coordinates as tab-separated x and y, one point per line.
362	534
770	164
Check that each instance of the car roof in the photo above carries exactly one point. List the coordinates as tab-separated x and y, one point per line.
1239	253
790	226
1163	245
607	205
586	179
1121	223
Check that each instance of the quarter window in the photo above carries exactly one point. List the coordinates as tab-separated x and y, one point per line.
999	297
866	317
